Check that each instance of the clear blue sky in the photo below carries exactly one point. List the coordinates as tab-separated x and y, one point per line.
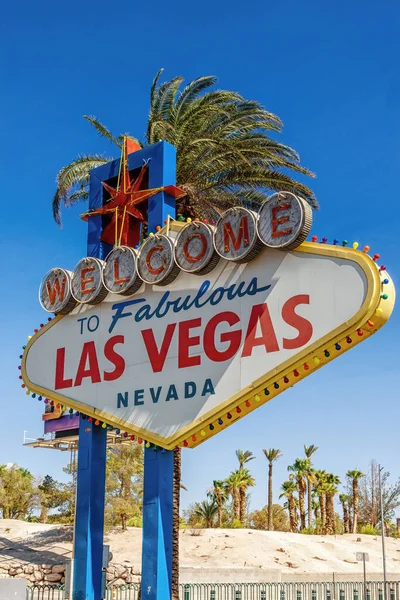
329	70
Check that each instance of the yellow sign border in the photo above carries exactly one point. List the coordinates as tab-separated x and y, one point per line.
372	315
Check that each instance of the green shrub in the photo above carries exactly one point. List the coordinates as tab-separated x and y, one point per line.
135	522
236	524
368	530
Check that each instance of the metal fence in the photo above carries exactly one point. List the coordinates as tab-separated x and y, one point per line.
349	590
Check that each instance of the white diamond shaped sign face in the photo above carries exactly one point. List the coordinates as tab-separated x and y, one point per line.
177	365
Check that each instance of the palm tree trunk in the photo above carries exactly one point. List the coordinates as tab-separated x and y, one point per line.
242	506
236	505
292	515
175	524
330	514
270	521
302	508
355	504
219	504
323	512
345	518
309	503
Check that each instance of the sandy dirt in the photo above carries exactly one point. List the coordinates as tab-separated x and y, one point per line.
219	548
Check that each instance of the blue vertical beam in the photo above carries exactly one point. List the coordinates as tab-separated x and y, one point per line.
158	465
91	479
157	524
89	520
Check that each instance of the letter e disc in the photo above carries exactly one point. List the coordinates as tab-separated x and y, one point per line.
155	261
284	221
235	236
194	249
55	292
119	273
87	281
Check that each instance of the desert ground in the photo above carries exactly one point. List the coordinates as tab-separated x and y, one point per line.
211	553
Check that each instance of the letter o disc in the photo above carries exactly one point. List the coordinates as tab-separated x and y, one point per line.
194	249
119	273
284	221
155	261
235	236
87	281
55	292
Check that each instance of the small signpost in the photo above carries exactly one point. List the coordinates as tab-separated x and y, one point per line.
364	557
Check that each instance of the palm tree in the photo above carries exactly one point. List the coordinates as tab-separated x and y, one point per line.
355	475
289	488
244	456
344	500
246	481
300	469
309	451
219	494
272	454
225	156
332	481
206	511
232	487
320	489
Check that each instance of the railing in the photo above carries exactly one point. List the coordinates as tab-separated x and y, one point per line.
349	590
47	591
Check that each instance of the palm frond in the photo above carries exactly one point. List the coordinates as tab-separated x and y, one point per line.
102	130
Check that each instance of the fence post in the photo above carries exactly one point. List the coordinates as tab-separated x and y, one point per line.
355	594
313	594
187	591
341	594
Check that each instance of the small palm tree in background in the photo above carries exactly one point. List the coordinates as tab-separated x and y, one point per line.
206	512
272	454
320	490
344	500
224	155
355	475
300	469
332	481
218	493
288	489
232	486
244	456
246	480
309	451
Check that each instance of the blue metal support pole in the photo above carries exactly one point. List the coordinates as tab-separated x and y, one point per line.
157	524
89	521
90	492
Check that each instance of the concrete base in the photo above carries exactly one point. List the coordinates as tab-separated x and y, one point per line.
12	589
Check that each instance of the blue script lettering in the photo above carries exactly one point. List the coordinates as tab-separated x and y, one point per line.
146	312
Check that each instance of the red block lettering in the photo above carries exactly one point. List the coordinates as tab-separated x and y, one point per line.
188	256
117	278
260	314
157	357
243	235
279	220
114	358
88	355
233	337
185	342
86	280
302	325
56	290
60	381
151	269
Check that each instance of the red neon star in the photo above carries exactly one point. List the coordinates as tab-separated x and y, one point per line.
126	217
